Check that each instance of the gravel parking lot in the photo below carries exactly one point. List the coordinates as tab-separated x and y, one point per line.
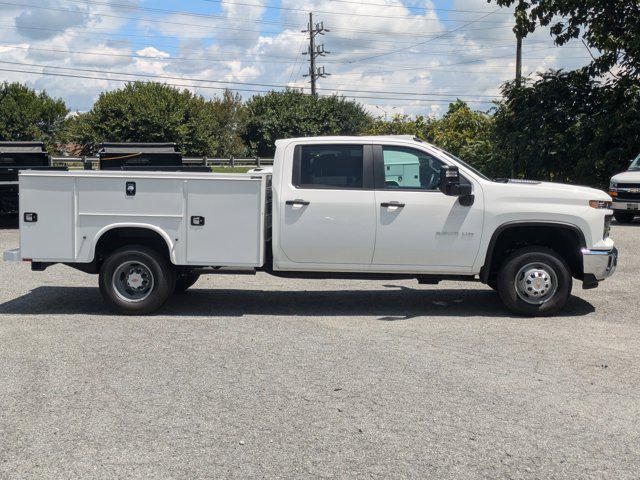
259	377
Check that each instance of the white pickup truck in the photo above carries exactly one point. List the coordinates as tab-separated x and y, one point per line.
625	190
331	207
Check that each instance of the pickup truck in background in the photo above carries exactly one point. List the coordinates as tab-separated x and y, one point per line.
15	157
331	207
625	191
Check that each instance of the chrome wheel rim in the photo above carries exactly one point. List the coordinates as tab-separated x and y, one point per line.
536	283
133	281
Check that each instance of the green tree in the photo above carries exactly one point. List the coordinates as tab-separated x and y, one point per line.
400	125
565	126
610	27
467	134
292	114
28	115
155	112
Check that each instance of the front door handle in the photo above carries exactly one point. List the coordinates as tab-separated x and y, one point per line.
297	202
392	204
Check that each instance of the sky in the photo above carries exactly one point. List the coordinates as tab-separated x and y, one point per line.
394	56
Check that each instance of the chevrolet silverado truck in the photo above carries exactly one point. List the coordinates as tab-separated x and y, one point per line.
331	207
625	191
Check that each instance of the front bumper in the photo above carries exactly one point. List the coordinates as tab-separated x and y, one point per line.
598	265
626	205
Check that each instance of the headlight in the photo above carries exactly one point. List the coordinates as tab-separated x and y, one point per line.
599	204
613	189
613	185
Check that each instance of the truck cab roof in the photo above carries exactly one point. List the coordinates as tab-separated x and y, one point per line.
350	138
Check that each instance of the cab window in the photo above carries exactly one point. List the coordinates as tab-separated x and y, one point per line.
410	169
329	166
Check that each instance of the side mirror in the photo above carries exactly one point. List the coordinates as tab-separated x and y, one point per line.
450	185
449	180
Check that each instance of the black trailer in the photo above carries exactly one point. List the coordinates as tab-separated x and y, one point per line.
16	156
144	157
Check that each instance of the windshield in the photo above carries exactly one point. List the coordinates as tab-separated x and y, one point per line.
465	164
635	165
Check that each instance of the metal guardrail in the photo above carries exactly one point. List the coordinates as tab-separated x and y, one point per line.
209	162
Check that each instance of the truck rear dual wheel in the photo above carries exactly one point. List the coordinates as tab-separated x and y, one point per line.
534	281
136	280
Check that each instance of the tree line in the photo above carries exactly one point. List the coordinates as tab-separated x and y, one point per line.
576	126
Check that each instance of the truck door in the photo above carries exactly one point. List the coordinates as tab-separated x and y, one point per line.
327	205
416	224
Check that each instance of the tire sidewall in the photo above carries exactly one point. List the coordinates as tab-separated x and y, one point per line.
184	281
164	280
507	275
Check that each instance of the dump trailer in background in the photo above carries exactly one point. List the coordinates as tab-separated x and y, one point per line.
144	157
16	156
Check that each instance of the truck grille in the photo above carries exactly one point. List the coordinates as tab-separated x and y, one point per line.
627	196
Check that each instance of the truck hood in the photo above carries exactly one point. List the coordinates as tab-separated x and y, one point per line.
627	177
556	191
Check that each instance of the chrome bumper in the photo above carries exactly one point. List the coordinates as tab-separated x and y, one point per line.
599	264
626	205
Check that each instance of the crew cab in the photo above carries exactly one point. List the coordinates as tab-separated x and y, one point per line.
625	191
331	207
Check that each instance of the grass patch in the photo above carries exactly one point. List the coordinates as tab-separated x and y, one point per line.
231	169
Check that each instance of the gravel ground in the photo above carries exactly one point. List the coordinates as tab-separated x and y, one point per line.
259	377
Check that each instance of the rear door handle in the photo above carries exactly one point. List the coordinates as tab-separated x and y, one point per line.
297	202
392	204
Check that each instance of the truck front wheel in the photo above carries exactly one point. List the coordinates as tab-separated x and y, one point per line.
136	280
534	281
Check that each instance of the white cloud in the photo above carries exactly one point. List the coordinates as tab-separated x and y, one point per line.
437	58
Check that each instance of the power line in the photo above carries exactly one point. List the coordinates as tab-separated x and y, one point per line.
227	82
145	57
446	33
95	33
197	14
232	87
208	59
360	4
146	20
180	12
414	100
80	12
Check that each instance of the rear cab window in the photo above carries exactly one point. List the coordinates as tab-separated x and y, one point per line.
332	166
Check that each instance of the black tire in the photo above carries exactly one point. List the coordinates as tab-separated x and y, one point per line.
136	264
527	278
184	281
624	217
493	283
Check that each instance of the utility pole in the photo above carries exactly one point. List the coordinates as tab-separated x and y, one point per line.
519	12
314	51
518	59
520	9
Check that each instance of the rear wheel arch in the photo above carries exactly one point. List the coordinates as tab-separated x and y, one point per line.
117	236
564	238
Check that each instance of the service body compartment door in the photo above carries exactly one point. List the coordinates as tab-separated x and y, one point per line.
225	222
49	236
